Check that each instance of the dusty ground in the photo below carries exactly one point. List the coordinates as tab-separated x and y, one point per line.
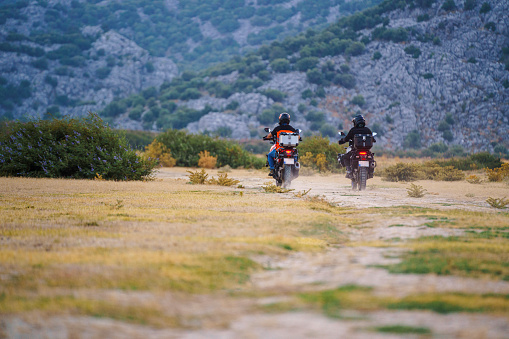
222	317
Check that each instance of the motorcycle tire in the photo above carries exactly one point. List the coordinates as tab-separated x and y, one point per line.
287	176
363	178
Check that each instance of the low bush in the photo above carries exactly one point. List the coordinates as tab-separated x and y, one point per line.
223	180
157	150
401	172
498	174
320	154
69	148
185	148
201	178
427	171
138	139
498	202
474	179
198	178
416	191
432	171
207	160
472	162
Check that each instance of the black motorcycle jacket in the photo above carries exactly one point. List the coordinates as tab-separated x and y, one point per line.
284	127
354	131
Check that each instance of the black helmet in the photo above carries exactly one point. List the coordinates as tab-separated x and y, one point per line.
284	118
358	121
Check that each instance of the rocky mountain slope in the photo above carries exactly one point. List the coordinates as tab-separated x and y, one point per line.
429	73
69	57
421	71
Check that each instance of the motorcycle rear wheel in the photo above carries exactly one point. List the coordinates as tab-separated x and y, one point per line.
363	178
287	176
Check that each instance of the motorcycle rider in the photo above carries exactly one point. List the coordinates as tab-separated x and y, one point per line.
359	127
284	126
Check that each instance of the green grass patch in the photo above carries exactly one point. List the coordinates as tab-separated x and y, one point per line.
478	254
324	229
455	218
128	270
402	329
331	302
354	297
454	302
151	315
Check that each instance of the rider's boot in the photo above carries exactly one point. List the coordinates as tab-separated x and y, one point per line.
348	172
271	173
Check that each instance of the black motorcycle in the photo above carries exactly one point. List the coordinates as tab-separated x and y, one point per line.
286	164
361	162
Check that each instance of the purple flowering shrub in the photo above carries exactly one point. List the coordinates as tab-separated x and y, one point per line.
69	148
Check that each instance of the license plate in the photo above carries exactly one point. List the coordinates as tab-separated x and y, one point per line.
363	163
289	161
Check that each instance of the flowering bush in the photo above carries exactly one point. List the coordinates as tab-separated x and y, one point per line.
69	148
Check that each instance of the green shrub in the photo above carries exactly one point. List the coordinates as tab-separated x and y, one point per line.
447	135
274	94
345	80
69	148
469	5
355	48
474	161
414	51
485	8
306	64
432	171
315	76
136	112
317	145
103	72
443	126
306	94
401	172
449	5
138	139
185	148
328	130
267	117
280	65
412	140
358	100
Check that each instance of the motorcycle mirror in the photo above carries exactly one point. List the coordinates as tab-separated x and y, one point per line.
341	133
299	131
266	129
374	133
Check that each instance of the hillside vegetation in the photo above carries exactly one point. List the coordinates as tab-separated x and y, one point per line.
364	63
108	49
422	72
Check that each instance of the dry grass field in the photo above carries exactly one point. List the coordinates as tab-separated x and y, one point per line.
168	259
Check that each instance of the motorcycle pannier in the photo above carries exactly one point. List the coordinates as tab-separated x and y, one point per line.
363	141
288	139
